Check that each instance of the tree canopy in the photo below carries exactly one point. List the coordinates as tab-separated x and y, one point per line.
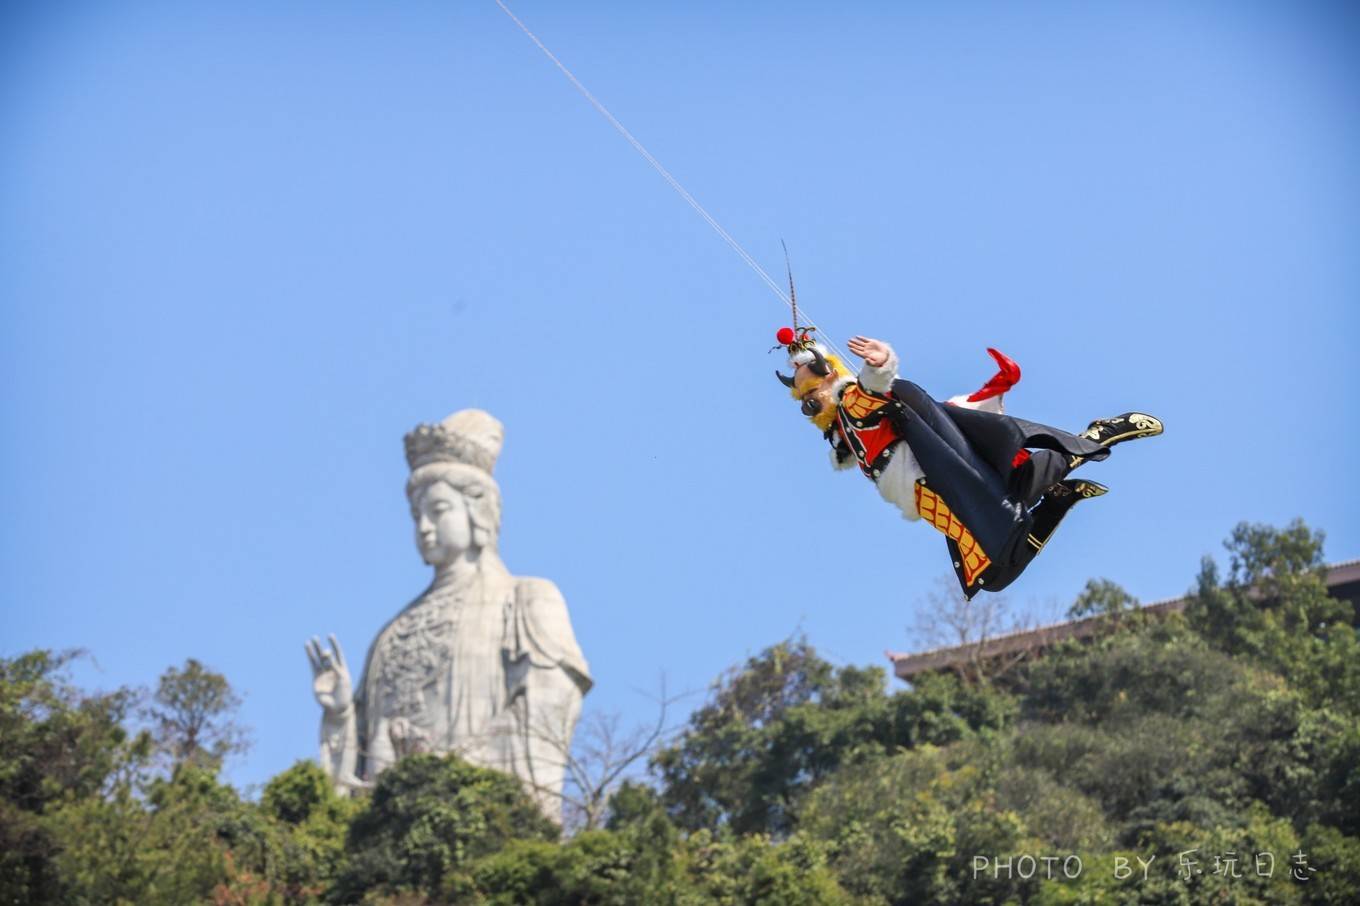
1177	758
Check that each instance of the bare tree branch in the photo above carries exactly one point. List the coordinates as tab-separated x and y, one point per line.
950	620
601	756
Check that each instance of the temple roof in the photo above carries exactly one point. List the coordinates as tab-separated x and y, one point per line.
1343	581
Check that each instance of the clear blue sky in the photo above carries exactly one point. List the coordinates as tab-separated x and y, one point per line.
245	247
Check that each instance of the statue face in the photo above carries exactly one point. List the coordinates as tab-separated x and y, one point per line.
443	525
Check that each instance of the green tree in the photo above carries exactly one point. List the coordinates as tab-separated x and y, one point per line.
192	714
84	819
775	727
753	870
1335	858
941	708
1159	726
1101	597
1232	729
764	736
314	820
61	746
632	867
155	845
428	819
905	829
1274	607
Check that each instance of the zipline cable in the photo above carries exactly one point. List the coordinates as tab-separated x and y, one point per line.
671	180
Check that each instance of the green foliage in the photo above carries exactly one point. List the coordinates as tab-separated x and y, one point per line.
1216	737
890	825
192	713
1165	669
941	708
61	747
62	742
1274	608
733	763
593	867
85	820
632	804
1159	726
1191	861
1101	597
753	871
117	849
314	820
1336	859
304	796
428	819
629	868
775	728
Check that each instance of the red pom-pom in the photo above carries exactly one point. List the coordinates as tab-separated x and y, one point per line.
785	335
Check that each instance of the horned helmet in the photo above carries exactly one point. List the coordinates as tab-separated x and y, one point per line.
818	376
818	386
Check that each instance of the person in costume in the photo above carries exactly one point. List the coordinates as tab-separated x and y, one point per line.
996	486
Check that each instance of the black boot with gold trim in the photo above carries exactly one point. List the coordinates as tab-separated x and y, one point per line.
1056	503
1130	426
1110	431
1058	500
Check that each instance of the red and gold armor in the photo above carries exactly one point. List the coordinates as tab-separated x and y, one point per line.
862	419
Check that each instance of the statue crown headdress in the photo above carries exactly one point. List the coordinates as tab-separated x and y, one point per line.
471	437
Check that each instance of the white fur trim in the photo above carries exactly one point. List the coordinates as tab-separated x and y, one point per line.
880	379
897	483
990	404
841	463
803	356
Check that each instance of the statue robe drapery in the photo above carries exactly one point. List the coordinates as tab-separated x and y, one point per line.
489	670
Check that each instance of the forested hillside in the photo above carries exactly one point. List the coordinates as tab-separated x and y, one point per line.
1209	757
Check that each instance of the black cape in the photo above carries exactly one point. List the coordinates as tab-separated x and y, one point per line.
966	456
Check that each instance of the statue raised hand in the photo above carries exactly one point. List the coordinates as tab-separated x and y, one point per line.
339	727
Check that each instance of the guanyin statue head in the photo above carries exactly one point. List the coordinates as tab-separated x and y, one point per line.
455	503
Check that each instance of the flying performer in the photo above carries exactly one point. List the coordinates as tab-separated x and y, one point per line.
996	486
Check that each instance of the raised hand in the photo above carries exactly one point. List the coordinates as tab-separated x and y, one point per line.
330	676
874	352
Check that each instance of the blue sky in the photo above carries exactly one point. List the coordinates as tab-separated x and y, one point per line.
244	248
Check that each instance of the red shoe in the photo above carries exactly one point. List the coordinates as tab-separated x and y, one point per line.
1003	380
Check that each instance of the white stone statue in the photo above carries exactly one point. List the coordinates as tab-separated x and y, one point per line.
482	663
